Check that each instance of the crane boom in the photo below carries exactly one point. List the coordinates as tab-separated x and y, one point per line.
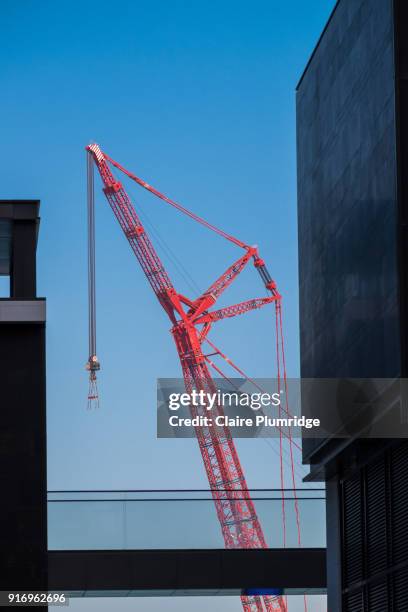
134	231
235	509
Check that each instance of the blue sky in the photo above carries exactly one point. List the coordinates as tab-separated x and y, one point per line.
199	100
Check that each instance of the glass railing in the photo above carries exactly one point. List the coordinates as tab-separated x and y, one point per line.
175	519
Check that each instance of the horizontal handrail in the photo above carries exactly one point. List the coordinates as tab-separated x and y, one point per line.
174	490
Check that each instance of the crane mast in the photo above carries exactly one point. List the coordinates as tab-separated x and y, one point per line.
191	321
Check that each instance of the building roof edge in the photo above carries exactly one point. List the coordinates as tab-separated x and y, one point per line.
317	45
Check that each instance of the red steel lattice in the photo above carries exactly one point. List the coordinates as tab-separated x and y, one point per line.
191	321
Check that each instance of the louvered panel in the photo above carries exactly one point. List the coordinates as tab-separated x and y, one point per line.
354	602
399	505
401	590
377	597
376	517
353	540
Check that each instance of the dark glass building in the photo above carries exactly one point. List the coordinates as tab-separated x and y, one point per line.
352	155
23	509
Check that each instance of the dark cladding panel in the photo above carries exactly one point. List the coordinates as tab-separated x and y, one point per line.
132	570
352	256
401	61
5	246
23	261
23	517
347	210
352	531
374	545
23	508
398	484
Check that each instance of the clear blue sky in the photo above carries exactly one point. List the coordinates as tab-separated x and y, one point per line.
198	98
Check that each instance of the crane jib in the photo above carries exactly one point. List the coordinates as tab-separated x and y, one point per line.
191	322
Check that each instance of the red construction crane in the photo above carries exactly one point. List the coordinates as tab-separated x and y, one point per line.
191	321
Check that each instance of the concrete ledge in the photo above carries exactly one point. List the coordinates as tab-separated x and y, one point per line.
22	311
19	209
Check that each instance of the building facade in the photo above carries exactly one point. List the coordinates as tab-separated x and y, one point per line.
23	512
352	156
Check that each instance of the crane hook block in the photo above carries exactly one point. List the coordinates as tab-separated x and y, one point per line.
93	364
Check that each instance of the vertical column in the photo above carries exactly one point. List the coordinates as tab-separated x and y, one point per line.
333	559
23	278
401	101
